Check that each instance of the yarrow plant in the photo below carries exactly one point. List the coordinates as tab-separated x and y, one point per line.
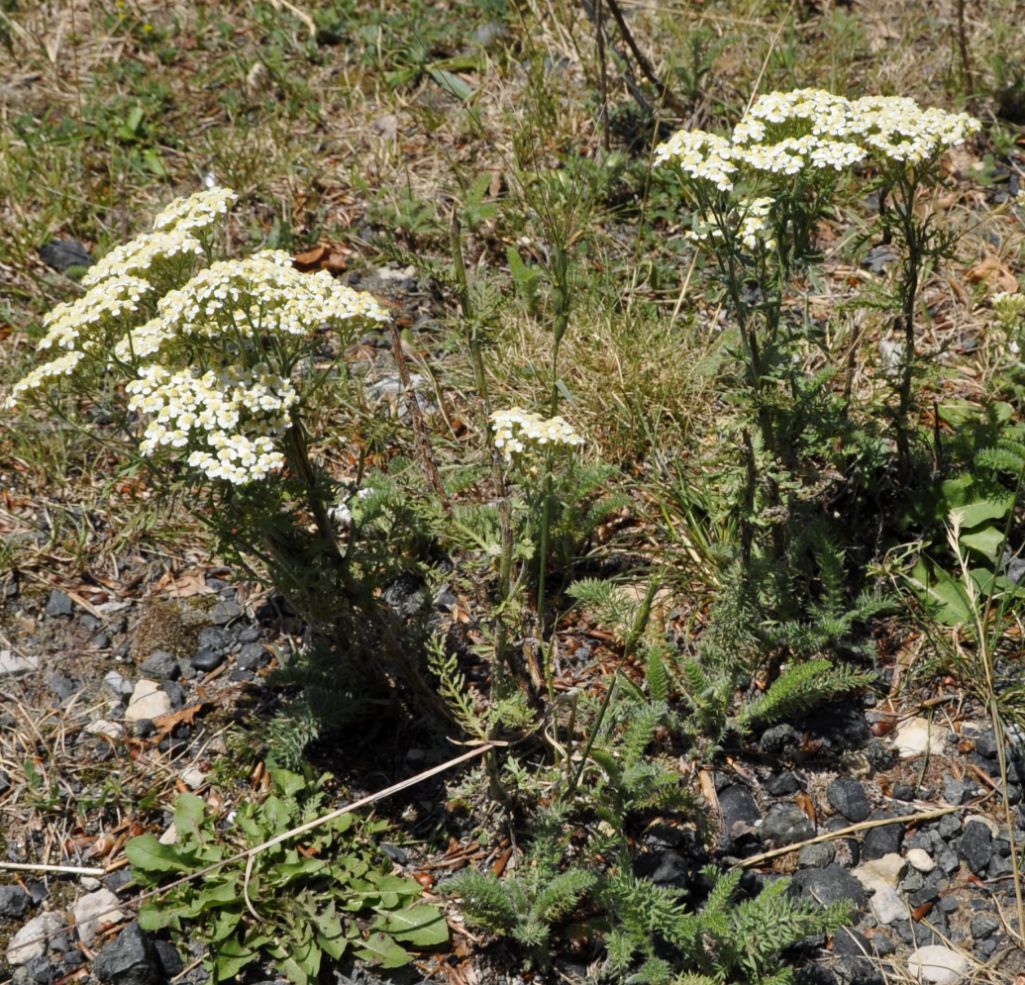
758	194
205	367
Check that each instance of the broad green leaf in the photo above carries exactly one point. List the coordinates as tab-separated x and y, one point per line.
384	951
390	883
189	811
147	854
287	782
421	925
943	597
229	959
986	541
291	870
225	924
452	84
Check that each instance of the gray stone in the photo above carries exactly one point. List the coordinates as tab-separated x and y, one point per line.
786	783
956	791
816	856
884	840
740	814
778	738
130	959
162	665
983	924
33	939
785	824
208	660
10	664
253	656
63	254
948	860
887	906
59	604
96	912
14	901
831	884
223	612
948	826
213	638
976	846
118	684
847	797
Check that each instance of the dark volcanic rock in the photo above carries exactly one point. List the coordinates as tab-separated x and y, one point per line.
976	846
841	726
829	885
14	901
62	254
784	825
664	868
162	665
130	959
740	815
882	840
786	783
207	660
847	797
59	604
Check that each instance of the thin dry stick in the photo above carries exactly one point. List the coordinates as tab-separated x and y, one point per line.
768	55
648	70
278	839
603	85
71	870
747	863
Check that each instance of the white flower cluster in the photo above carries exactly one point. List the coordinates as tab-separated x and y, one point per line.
263	293
517	431
61	366
198	211
209	410
78	321
702	155
225	421
751	219
1009	308
788	133
142	254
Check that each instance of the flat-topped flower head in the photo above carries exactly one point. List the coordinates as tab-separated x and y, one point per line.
264	293
227	419
64	365
518	431
898	129
144	255
196	212
700	155
100	308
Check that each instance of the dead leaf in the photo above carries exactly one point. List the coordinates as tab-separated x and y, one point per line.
994	273
186	716
807	805
310	259
183	586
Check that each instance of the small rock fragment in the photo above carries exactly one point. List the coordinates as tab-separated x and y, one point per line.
59	604
10	664
937	964
976	846
887	906
113	730
917	736
831	884
162	665
847	797
14	901
33	938
130	959
920	859
879	873
147	701
95	912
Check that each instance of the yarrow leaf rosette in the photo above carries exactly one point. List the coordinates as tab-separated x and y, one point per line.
210	353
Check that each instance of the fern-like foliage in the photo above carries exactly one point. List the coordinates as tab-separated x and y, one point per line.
453	688
799	689
528	904
726	941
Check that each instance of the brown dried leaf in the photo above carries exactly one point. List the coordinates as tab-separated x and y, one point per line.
807	805
994	273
